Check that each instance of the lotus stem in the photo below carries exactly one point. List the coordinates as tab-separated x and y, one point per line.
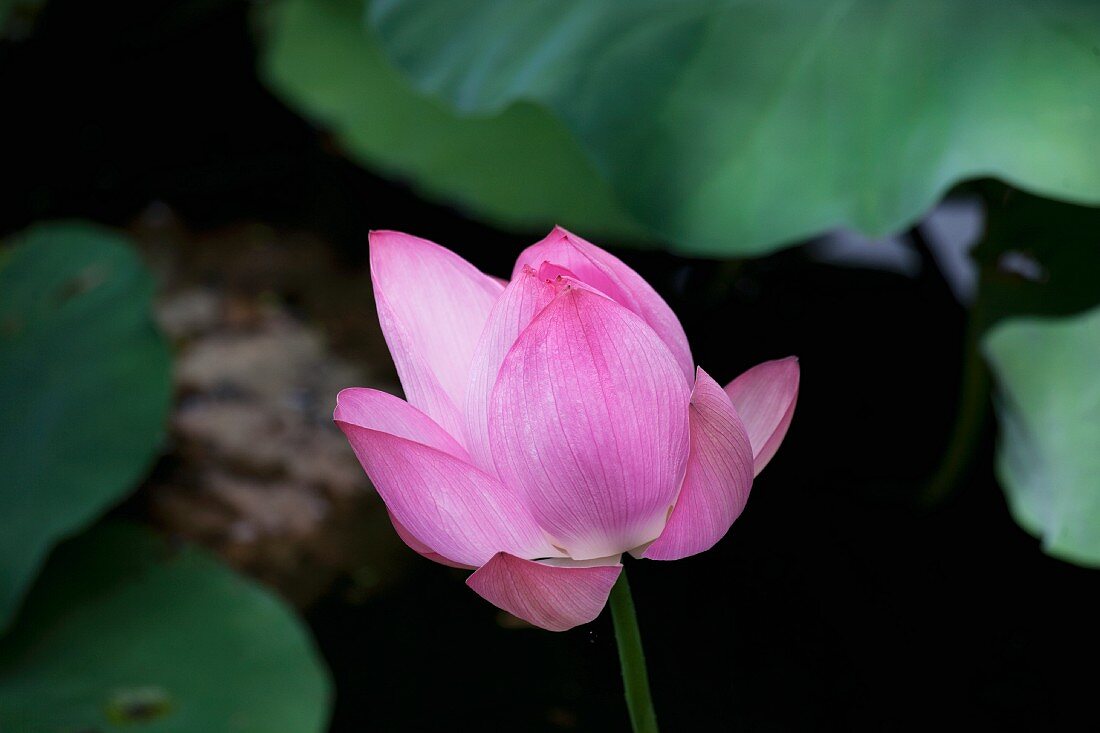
632	659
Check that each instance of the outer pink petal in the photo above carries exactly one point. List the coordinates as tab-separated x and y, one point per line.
432	305
765	397
607	273
523	299
588	421
420	547
377	410
718	478
553	597
446	504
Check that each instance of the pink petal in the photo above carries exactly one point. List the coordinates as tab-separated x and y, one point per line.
607	273
523	299
420	547
437	498
552	597
588	421
432	305
718	478
377	410
765	397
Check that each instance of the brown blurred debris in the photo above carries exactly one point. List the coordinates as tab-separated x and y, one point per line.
258	472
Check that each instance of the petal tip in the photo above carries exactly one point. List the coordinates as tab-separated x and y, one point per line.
384	241
341	401
561	232
382	237
765	398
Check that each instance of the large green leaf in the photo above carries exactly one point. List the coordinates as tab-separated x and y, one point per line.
1048	461
85	387
123	634
735	126
520	168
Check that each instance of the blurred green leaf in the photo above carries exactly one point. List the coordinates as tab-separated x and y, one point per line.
735	127
521	168
17	18
85	387
1048	371
123	634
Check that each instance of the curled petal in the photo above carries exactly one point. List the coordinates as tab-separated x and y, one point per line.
765	397
527	294
553	597
436	497
718	477
588	421
432	306
605	272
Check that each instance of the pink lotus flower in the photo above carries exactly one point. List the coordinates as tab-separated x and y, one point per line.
552	423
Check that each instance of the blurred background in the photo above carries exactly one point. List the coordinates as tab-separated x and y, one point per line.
900	194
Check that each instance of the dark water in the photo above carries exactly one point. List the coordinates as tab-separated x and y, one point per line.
837	602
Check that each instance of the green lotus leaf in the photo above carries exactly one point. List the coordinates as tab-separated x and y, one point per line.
123	633
1047	371
735	126
85	386
520	169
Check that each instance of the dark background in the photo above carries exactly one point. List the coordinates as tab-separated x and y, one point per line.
839	601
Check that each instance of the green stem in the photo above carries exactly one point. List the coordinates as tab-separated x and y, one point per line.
973	403
631	658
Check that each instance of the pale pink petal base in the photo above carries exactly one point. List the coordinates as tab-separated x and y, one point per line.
718	479
552	597
765	397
